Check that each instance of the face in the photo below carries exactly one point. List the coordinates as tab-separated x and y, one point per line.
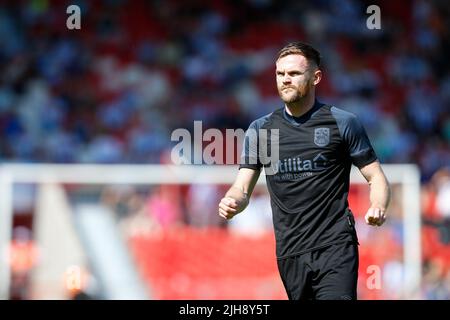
295	77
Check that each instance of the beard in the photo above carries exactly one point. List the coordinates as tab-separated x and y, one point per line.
293	94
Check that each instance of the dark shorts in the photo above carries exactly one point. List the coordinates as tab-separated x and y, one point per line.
329	273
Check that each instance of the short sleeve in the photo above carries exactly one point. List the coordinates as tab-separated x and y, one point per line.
355	138
250	156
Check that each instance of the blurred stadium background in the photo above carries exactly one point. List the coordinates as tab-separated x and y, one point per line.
112	93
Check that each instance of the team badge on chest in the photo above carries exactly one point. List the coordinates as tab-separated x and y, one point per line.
322	136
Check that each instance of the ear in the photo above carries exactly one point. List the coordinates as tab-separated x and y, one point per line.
317	76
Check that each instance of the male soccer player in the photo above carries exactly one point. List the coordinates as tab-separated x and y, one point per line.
316	241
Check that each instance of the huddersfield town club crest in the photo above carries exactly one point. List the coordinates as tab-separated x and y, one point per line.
322	136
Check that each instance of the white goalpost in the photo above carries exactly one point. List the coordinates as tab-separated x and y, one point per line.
407	175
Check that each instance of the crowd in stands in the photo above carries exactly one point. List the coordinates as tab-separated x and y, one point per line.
114	91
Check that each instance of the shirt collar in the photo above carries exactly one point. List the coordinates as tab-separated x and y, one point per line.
304	117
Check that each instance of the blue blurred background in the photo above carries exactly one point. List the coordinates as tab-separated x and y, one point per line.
113	91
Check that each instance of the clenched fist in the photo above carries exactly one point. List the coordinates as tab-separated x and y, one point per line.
375	216
229	207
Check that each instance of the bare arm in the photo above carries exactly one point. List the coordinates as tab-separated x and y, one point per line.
380	193
237	197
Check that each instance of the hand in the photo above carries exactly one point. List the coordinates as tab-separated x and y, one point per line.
228	208
375	216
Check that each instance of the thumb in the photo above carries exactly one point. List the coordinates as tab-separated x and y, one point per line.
231	202
370	215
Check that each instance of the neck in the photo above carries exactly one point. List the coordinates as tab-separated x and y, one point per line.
300	107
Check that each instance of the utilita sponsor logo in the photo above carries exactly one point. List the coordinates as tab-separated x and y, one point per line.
293	165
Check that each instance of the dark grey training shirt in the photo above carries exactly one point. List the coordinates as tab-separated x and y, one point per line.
310	187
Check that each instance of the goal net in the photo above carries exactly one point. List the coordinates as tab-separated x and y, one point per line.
153	232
